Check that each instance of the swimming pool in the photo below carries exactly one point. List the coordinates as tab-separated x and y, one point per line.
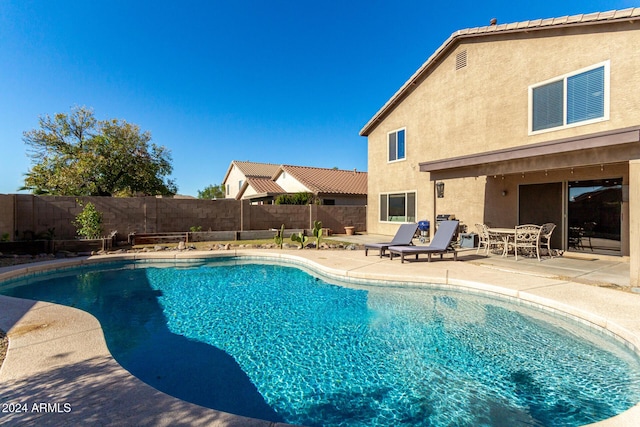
276	343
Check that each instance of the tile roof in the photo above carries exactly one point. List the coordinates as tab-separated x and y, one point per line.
322	181
630	14
587	18
264	185
264	170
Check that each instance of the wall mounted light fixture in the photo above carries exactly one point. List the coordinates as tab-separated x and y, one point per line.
439	189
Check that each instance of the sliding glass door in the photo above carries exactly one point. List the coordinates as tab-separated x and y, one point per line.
594	216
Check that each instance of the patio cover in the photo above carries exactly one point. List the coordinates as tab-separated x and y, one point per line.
617	146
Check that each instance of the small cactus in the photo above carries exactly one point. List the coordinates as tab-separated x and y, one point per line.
317	232
299	238
279	237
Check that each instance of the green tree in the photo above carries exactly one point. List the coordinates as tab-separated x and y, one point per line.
213	191
77	155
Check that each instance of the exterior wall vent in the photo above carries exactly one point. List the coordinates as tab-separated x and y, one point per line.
461	59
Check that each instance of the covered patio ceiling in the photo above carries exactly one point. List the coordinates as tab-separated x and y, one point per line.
603	148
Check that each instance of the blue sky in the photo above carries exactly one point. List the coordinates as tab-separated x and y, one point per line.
285	82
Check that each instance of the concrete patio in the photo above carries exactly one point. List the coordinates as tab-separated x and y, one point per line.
58	357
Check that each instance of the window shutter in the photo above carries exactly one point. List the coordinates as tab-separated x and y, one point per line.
548	106
585	96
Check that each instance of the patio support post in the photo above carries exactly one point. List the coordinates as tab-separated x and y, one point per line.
634	223
432	228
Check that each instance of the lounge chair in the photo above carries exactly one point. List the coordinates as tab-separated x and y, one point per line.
441	244
403	237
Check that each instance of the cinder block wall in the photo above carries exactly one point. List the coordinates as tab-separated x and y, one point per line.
337	217
182	214
36	215
264	217
7	215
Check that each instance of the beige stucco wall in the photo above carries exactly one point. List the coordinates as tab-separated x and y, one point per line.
290	184
235	175
250	191
484	107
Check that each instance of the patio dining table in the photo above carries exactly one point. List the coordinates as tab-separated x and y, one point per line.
506	234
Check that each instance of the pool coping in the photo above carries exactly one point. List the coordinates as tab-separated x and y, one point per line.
47	338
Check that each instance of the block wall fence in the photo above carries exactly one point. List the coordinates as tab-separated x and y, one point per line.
24	216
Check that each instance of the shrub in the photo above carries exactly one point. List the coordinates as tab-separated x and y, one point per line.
301	198
89	222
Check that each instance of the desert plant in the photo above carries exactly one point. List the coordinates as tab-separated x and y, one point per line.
317	232
300	238
89	222
279	237
50	234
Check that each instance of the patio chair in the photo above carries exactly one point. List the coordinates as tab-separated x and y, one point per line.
527	239
545	237
441	243
575	237
403	237
588	232
483	238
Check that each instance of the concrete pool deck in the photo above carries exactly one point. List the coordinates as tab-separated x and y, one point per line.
58	370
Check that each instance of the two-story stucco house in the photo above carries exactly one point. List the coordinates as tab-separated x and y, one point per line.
530	122
239	172
263	182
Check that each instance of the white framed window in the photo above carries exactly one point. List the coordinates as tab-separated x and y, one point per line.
398	207
228	192
240	182
574	99
397	145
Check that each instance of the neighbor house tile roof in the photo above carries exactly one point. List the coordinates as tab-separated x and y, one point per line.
265	170
324	181
535	25
264	185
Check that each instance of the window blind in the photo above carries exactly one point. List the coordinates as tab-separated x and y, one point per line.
548	105
585	96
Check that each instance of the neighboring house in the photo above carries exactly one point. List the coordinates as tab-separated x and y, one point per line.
514	123
263	182
239	172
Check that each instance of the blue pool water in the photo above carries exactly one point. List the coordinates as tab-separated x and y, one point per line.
276	343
